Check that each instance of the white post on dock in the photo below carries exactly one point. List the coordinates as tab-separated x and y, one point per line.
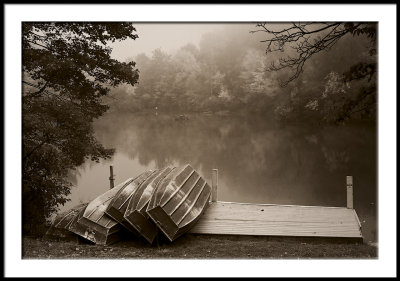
349	184
111	178
214	185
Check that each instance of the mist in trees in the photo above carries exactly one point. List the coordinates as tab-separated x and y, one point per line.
231	70
350	87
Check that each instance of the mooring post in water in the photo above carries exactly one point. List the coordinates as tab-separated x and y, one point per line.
349	183
214	185
111	177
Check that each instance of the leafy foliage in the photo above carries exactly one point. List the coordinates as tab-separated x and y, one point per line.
67	71
228	72
306	41
212	77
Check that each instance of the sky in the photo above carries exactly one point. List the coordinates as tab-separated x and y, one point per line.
167	36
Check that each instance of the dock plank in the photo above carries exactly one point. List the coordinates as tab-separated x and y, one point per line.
281	220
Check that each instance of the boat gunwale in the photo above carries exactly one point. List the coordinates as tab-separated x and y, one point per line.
159	225
138	228
98	227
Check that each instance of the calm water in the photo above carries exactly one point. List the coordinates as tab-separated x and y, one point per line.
258	160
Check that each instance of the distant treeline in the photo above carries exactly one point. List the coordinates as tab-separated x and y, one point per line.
228	71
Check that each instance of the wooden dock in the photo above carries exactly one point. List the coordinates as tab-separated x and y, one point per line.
278	220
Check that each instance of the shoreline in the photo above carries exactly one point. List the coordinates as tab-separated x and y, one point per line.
199	246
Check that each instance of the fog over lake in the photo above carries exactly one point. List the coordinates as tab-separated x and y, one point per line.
258	160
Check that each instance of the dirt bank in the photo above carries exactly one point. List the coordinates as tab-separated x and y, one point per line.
191	246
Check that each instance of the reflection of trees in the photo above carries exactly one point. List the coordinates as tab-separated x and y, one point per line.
292	165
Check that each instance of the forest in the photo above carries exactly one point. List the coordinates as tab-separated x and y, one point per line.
230	72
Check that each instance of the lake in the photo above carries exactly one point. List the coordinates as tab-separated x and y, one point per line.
258	159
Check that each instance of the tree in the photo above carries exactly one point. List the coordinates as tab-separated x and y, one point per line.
302	41
308	39
67	71
156	76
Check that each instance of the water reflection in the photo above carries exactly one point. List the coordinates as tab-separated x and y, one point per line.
258	161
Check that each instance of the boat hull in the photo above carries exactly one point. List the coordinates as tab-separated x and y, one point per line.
99	235
147	229
62	222
136	214
95	225
119	203
179	201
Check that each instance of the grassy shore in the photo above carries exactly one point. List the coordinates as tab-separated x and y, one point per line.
192	246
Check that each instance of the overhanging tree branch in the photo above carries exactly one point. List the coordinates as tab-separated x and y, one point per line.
306	39
42	90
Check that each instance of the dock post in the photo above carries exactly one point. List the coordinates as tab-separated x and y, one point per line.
349	183
111	178
214	185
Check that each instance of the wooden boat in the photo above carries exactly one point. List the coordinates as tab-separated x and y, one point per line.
179	201
62	222
94	224
119	203
135	213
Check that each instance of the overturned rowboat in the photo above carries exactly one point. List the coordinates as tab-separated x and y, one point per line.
119	203
135	213
179	201
62	222
75	226
95	225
